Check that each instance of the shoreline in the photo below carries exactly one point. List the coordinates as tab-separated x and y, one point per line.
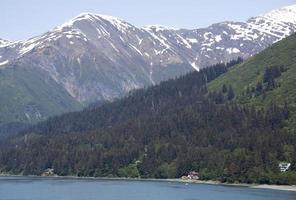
291	188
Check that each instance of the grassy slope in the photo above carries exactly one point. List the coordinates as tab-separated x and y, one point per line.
251	71
25	88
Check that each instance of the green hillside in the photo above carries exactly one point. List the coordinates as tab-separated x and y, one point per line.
29	96
248	74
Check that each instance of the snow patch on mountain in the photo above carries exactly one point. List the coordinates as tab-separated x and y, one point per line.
232	50
158	28
116	22
218	38
192	40
193	64
4	62
286	14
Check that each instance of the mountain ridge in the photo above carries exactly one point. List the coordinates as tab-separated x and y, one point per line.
278	16
100	58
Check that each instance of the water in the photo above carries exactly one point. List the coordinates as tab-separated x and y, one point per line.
23	188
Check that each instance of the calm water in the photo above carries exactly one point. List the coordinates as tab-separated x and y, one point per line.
23	188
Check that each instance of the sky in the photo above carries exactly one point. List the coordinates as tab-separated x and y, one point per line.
22	19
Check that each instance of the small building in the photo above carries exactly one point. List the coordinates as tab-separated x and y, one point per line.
48	172
284	166
193	175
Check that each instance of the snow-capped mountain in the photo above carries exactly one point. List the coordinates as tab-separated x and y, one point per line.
96	57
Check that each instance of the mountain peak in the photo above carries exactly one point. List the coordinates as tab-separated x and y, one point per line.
285	14
80	17
92	16
97	19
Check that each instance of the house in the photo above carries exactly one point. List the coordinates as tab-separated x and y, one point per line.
284	166
48	172
193	175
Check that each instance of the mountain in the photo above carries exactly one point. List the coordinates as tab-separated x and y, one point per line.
197	122
99	58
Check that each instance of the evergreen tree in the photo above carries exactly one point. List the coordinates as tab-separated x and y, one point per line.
259	87
224	88
230	93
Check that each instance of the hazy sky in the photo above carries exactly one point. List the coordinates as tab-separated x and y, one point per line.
21	19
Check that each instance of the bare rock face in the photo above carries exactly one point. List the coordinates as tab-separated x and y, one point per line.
96	58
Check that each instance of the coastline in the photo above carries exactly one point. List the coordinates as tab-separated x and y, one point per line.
255	186
291	188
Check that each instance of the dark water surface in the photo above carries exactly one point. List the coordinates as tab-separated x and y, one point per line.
24	188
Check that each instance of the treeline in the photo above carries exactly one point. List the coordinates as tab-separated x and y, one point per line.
163	131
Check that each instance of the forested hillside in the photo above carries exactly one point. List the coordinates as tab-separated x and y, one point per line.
198	122
265	79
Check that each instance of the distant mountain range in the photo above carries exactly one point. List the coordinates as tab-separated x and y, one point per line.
98	58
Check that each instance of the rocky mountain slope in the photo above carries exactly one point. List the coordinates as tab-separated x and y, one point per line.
96	58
